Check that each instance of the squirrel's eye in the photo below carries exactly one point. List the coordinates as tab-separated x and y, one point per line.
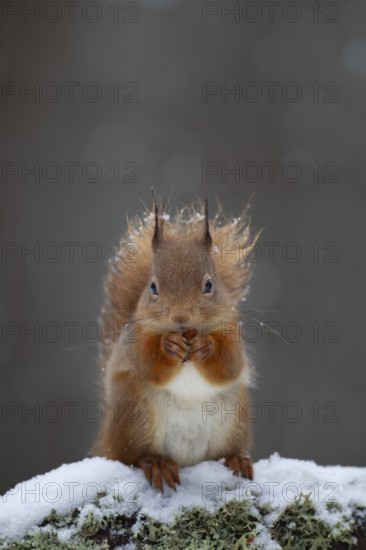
154	290
208	287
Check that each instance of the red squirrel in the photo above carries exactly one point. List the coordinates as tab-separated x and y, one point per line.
176	288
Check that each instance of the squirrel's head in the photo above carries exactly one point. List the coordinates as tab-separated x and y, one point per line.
183	290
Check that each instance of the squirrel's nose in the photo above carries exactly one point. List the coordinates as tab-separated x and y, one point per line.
179	316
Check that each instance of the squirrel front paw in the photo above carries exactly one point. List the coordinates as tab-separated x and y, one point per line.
159	468
240	465
175	346
201	347
187	346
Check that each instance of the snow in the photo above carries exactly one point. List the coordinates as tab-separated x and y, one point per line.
278	481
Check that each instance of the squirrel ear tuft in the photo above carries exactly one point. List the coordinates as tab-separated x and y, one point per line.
207	239
158	233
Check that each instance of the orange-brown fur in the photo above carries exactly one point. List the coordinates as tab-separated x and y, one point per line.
180	325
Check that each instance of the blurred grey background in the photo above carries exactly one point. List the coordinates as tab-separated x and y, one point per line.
129	95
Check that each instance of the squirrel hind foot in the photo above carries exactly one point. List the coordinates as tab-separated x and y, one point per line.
240	465
160	468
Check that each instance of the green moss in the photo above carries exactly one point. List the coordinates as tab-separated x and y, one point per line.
50	541
333	506
59	521
298	527
234	526
92	524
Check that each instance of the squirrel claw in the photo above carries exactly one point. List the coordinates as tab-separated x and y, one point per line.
175	346
160	468
240	465
201	348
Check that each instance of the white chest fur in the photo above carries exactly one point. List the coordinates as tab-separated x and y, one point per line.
190	386
188	431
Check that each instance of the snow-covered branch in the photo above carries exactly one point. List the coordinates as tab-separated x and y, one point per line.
100	504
